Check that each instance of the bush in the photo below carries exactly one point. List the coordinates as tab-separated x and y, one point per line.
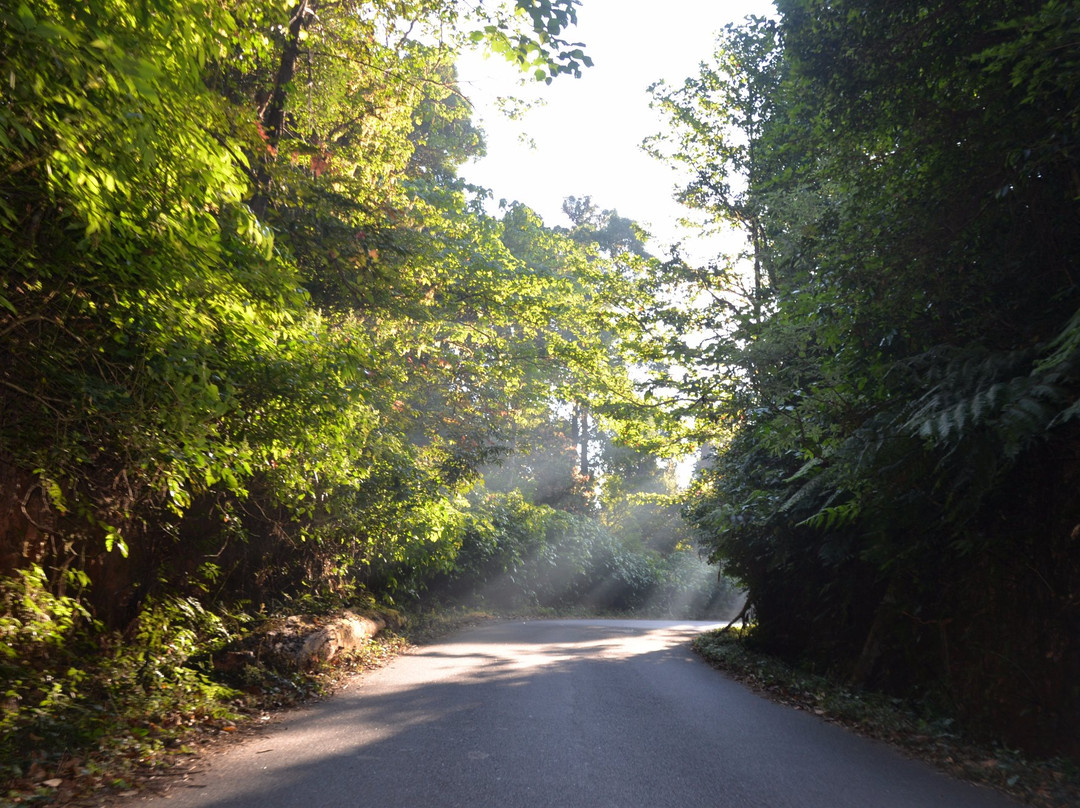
71	685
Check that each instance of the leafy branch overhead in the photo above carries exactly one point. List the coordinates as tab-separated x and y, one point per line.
537	46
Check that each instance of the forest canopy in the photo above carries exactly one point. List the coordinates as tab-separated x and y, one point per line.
248	295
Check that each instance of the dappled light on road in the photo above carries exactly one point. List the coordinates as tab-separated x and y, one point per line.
563	713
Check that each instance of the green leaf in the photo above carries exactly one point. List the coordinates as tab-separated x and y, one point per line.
113	540
26	17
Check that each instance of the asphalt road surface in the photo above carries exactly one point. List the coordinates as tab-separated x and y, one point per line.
574	713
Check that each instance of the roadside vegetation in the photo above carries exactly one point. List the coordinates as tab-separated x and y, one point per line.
893	375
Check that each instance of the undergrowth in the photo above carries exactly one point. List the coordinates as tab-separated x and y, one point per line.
90	712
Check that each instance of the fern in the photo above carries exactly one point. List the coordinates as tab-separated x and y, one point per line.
1008	397
834	516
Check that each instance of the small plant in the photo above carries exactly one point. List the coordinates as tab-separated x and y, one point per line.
72	688
41	635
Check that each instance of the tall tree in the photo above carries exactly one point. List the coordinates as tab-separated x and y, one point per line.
903	367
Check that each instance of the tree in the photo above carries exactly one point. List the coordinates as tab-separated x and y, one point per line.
214	219
606	230
902	364
719	118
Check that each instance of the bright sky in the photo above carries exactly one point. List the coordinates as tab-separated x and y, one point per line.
588	135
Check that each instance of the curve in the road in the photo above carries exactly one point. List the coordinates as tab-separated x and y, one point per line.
563	713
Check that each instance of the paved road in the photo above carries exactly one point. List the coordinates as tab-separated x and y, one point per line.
547	714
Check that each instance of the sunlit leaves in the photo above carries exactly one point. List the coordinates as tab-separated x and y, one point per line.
246	281
529	35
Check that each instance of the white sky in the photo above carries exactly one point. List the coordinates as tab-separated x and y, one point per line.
588	135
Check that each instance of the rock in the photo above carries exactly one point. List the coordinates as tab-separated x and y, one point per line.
345	633
298	640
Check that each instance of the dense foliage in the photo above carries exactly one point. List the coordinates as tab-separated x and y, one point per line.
234	296
263	345
261	342
890	371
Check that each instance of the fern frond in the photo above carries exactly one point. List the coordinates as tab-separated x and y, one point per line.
1003	393
834	516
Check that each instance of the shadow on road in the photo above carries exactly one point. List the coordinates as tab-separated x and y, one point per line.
564	713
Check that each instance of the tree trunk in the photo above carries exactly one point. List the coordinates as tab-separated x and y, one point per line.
583	439
272	114
874	645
